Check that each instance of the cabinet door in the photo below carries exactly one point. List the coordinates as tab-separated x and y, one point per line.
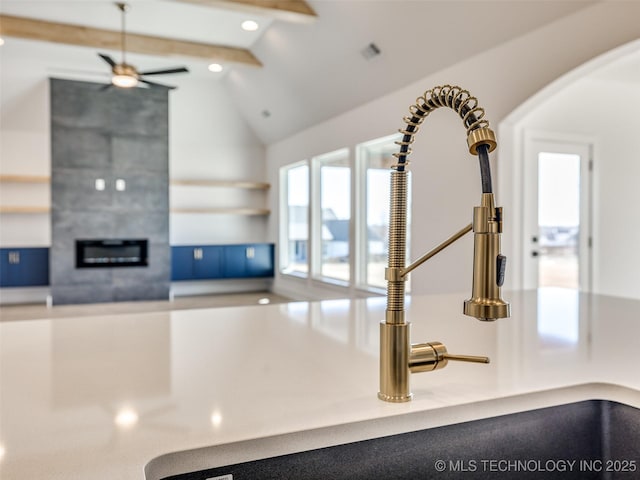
207	262
36	262
5	267
24	267
235	261
249	260
259	259
182	263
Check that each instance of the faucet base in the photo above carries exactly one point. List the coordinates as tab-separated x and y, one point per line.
394	362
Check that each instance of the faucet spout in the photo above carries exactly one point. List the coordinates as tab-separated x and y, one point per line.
398	358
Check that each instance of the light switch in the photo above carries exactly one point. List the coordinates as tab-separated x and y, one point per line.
100	184
121	185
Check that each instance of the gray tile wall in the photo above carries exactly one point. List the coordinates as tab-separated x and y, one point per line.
109	134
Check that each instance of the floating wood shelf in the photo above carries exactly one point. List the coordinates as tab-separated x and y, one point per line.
25	178
224	211
223	184
24	209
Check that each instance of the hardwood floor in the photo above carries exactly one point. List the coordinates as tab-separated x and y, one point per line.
41	311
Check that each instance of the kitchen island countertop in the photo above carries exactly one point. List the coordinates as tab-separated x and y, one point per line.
100	397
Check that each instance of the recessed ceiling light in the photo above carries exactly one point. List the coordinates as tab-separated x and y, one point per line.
250	25
1	41
215	67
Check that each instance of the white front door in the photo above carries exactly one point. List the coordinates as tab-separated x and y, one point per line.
556	216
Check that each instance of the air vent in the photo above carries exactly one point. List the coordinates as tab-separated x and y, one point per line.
370	51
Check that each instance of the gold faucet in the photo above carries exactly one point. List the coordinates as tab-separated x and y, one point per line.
398	357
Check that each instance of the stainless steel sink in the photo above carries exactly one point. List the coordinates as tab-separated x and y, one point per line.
594	439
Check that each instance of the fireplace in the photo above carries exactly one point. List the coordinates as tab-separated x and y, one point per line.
102	253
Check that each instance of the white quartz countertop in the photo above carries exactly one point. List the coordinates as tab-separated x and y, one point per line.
99	397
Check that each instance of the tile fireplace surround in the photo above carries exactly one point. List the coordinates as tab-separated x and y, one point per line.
110	180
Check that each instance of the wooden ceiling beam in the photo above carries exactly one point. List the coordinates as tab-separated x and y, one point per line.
288	10
32	29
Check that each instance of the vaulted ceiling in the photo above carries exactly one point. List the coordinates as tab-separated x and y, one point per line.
307	62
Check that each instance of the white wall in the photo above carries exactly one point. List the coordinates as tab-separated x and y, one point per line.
607	111
210	140
446	179
24	149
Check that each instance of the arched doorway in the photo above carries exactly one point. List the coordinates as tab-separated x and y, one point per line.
595	105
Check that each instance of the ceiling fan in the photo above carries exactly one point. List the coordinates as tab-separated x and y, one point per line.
125	75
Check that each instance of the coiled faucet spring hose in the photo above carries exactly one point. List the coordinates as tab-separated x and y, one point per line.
463	103
472	115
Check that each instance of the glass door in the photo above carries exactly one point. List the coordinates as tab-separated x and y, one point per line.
557	214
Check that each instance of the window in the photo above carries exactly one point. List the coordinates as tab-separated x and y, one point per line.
334	173
375	159
336	226
295	220
558	219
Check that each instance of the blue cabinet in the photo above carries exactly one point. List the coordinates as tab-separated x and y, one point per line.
196	262
222	261
182	263
251	260
234	261
207	262
24	267
260	263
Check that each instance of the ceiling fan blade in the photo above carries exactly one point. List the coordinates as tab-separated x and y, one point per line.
168	70
154	84
107	59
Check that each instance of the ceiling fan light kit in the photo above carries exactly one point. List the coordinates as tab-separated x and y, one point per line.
125	75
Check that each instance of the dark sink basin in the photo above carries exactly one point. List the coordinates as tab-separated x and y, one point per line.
593	439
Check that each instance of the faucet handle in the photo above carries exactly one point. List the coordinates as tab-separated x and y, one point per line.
466	358
426	357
